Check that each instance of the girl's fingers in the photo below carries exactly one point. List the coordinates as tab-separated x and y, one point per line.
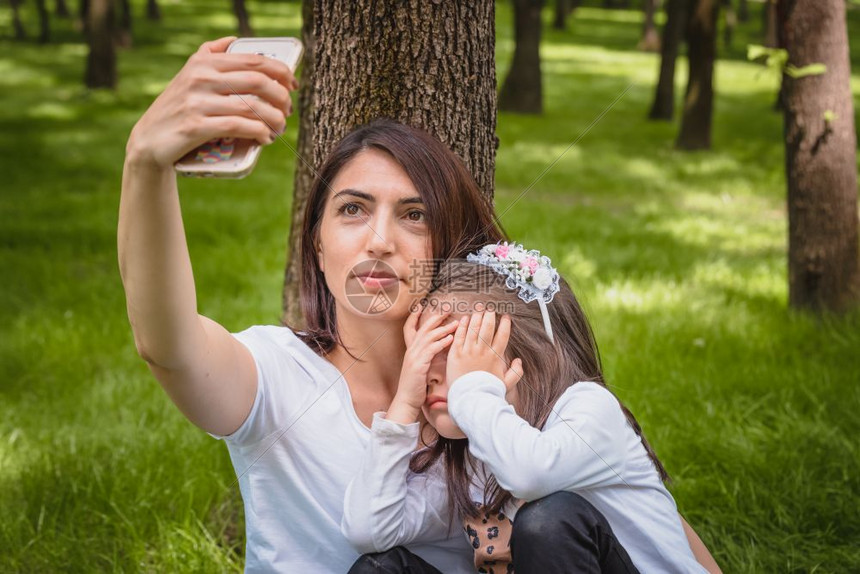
514	374
445	329
488	327
411	324
474	328
460	334
436	347
432	321
500	340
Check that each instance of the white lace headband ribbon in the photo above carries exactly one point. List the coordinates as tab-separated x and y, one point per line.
531	273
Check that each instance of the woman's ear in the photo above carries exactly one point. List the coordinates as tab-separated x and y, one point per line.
320	257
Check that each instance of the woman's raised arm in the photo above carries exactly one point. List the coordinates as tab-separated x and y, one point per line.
208	374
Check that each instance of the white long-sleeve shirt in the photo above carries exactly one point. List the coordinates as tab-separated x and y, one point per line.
586	446
294	456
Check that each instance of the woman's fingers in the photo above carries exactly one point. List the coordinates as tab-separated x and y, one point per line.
446	329
274	69
236	127
250	83
216	46
247	107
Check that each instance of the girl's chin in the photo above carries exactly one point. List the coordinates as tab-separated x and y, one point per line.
444	425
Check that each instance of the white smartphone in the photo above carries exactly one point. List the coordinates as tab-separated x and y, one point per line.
234	157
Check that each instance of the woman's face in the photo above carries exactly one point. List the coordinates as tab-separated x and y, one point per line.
373	238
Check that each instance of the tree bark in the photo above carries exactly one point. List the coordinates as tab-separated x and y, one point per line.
18	27
61	9
101	60
769	15
241	12
522	91
153	12
304	175
743	11
426	64
663	107
123	36
731	23
563	9
650	41
820	159
699	98
44	22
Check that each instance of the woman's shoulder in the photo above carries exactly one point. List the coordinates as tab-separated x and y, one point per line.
278	338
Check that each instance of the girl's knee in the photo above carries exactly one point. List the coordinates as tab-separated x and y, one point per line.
542	520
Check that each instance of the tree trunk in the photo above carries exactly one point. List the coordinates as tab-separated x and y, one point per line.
61	9
730	25
17	25
522	91
426	64
650	41
123	37
101	60
769	15
562	9
44	22
84	16
663	107
153	12
820	159
743	11
699	98
242	17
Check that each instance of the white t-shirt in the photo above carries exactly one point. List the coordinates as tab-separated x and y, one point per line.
586	446
296	453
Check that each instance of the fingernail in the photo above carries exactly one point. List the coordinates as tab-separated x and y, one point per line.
295	85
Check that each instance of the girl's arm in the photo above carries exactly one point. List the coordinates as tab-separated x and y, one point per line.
208	374
583	449
383	506
700	551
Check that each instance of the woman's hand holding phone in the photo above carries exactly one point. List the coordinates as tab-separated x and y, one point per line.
200	104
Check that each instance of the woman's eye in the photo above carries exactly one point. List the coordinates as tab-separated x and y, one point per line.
416	216
349	209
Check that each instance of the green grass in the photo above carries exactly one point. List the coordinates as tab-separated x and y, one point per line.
679	258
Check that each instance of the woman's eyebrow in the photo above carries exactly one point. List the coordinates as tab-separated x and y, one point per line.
367	197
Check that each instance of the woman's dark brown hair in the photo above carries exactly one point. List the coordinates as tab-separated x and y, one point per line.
549	369
460	219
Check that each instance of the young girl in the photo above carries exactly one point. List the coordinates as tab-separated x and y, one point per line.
584	493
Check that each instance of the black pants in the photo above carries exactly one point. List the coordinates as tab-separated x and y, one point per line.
398	560
560	533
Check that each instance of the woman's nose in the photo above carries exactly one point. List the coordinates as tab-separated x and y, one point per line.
377	240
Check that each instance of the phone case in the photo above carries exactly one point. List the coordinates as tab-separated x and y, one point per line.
233	157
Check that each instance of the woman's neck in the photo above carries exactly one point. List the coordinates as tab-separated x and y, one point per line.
380	347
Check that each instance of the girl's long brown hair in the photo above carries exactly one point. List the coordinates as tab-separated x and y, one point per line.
460	218
549	369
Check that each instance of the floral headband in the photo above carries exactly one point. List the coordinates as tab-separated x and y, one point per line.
526	270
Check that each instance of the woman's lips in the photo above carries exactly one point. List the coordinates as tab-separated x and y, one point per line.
376	281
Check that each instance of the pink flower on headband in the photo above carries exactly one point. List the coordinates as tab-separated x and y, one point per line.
529	264
501	251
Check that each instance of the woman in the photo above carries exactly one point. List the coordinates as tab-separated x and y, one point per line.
293	410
